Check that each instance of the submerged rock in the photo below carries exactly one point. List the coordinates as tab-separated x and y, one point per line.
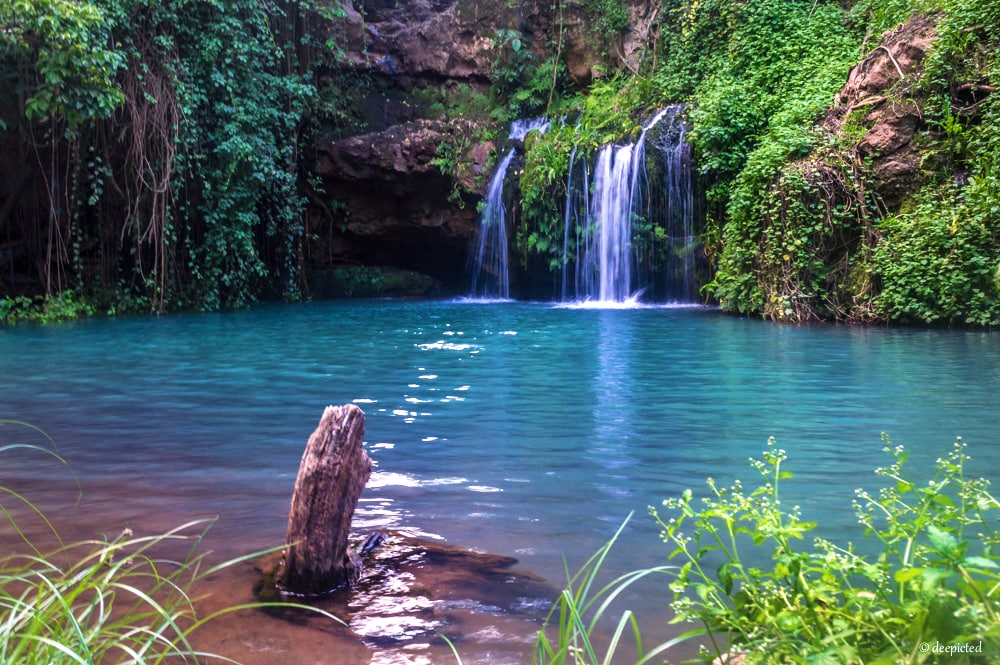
413	590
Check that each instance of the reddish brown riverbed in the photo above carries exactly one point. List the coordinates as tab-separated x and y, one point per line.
413	590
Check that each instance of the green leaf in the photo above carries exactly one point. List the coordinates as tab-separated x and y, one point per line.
725	576
980	562
941	540
943	500
932	577
904	575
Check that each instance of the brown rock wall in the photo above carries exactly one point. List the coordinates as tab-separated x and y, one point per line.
879	87
396	207
386	199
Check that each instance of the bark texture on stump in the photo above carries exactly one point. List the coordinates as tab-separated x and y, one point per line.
332	475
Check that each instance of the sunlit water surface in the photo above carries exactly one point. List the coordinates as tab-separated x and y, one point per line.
521	429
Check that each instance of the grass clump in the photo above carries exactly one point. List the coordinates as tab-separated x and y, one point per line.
121	600
101	601
583	606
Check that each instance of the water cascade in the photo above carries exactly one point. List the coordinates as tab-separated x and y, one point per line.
676	189
490	272
608	247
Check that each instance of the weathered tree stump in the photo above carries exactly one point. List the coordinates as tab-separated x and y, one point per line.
332	475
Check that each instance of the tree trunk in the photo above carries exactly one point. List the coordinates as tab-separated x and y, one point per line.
332	475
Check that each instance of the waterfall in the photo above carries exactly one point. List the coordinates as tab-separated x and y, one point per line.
607	260
490	273
600	234
607	257
677	190
489	259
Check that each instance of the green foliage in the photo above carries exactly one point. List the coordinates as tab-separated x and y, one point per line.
748	576
580	609
63	306
607	18
938	257
793	243
184	122
371	282
513	66
940	260
521	86
777	70
335	103
612	111
58	613
452	103
542	189
757	75
878	16
452	156
236	172
67	46
801	232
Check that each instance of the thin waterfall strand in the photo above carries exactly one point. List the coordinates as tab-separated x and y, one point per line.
490	275
490	259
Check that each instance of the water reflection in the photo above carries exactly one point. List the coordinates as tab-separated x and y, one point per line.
610	448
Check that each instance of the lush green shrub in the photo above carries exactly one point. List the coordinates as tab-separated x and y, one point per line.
174	132
940	261
938	257
63	306
801	234
919	585
750	576
65	45
774	68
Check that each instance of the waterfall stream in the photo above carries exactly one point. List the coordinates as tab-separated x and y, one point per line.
624	236
614	259
490	263
490	274
616	195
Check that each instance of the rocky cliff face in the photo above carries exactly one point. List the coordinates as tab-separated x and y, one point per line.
388	197
877	96
396	205
444	39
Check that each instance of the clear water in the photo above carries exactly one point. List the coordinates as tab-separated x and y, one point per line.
517	428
